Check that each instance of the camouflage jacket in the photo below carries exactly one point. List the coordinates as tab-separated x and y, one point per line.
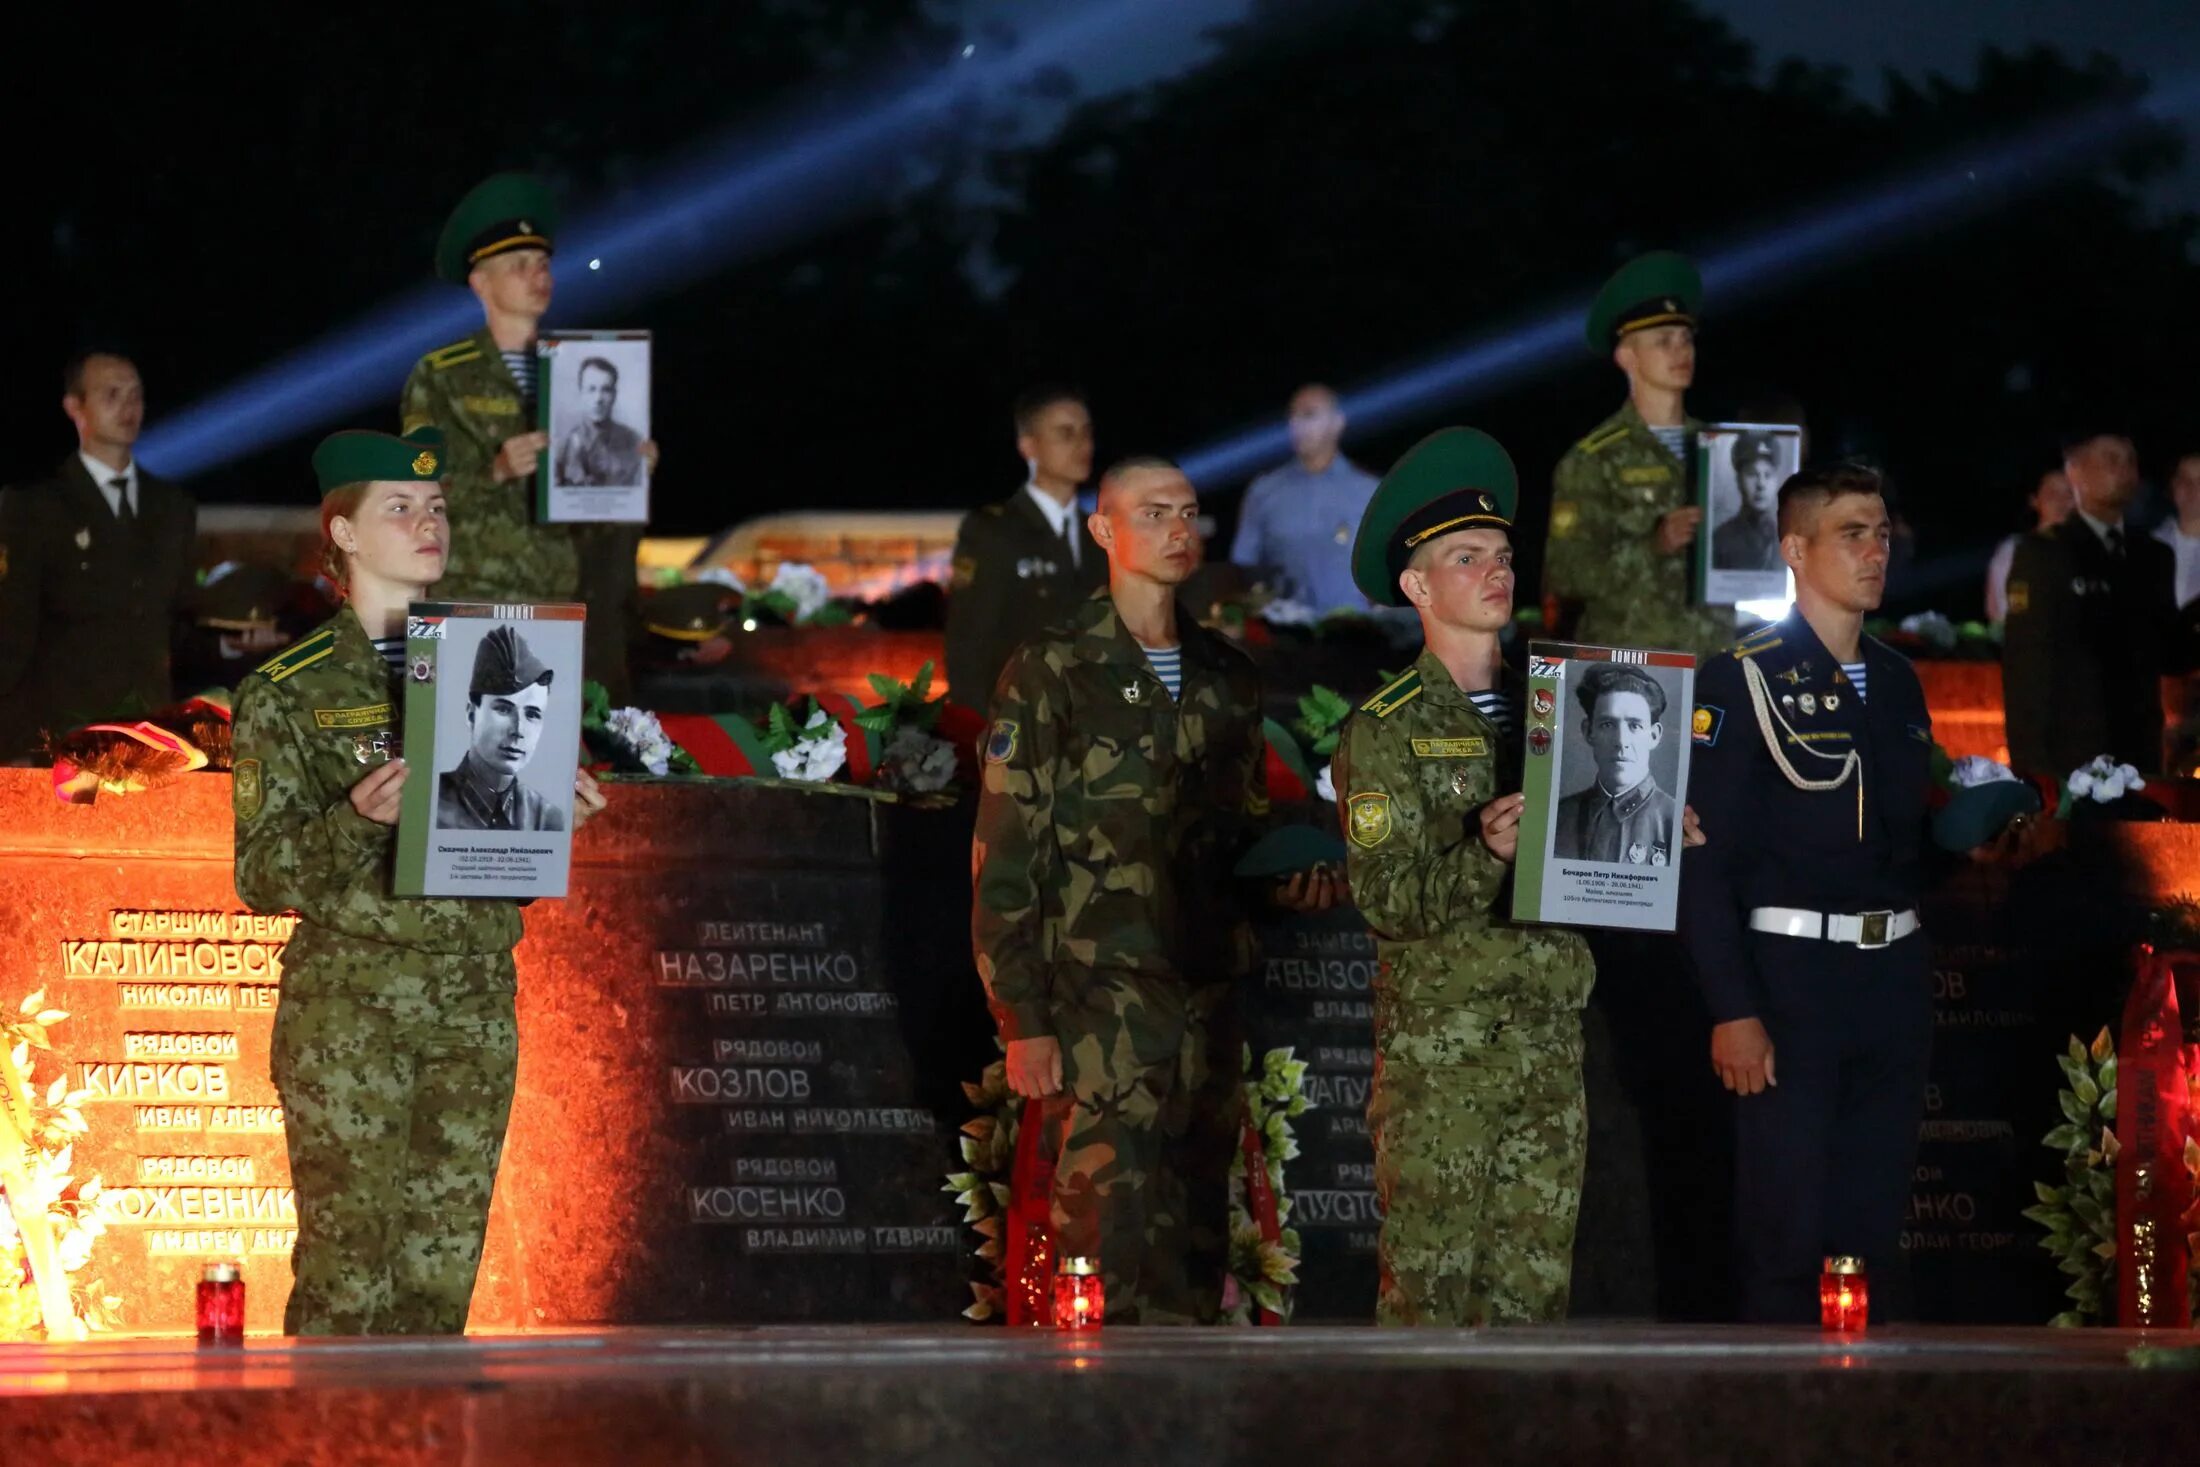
311	721
1607	497
498	552
1416	763
1110	815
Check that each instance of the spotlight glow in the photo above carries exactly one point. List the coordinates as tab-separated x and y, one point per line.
761	189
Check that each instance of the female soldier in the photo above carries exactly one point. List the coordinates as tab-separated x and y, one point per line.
395	1045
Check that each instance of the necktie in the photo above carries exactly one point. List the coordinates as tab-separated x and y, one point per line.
123	512
1069	534
2116	541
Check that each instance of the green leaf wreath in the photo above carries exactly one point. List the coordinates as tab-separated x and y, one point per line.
1264	1272
2080	1215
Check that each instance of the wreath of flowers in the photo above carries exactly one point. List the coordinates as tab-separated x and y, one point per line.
49	1219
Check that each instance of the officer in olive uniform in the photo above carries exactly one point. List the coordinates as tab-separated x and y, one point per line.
1621	817
498	241
94	580
1623	508
395	1043
1476	1107
1023	563
1813	757
1106	924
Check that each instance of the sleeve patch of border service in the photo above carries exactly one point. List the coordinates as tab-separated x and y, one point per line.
1369	818
245	789
1000	744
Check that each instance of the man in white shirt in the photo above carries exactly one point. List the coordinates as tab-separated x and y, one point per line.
95	571
2181	694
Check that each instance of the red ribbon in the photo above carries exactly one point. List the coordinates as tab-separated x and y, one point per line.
2153	1120
843	710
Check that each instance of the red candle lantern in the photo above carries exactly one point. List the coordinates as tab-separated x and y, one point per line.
221	1305
1844	1298
1080	1298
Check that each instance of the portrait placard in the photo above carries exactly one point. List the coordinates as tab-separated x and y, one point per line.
493	731
1606	778
1739	470
595	407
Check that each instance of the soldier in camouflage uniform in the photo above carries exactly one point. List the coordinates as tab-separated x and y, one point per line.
1623	513
395	1043
1123	771
1476	1108
481	392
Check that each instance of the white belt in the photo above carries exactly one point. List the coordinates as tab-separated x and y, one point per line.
1864	929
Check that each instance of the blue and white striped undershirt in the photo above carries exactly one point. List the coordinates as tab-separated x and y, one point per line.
521	364
1499	708
1854	671
393	652
1675	440
1168	665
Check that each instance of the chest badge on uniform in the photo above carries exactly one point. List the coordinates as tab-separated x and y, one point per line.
1459	781
1368	818
1000	744
1635	854
1833	701
84	539
371	748
1133	691
1344	534
1657	857
1808	703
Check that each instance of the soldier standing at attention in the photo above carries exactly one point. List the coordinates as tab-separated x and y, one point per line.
1476	1108
1123	776
1812	761
1024	563
1622	509
395	1044
481	393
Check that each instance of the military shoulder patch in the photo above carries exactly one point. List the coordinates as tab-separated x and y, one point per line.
1000	744
374	715
2020	598
1394	695
1603	438
245	792
965	571
1368	818
298	656
456	354
1704	724
1751	646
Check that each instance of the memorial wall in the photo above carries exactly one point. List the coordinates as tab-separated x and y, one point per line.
743	1039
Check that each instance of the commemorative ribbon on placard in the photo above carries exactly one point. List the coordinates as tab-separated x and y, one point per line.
2153	1124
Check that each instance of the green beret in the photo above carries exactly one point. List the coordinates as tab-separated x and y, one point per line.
358	456
241	598
1454	479
1657	289
1975	814
694	612
1291	848
503	664
509	211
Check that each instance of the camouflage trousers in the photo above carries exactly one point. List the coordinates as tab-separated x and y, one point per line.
1141	1137
395	1116
1480	1140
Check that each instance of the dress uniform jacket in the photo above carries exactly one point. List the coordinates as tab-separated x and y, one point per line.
396	1045
1012	576
1824	1157
1608	494
89	608
2088	638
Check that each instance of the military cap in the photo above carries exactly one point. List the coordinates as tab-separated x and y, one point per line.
360	456
507	211
1983	797
1751	447
1290	848
1657	289
240	598
1454	479
503	664
695	612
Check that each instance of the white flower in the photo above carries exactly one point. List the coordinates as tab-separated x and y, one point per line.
718	575
1325	786
804	585
1973	770
639	730
818	754
74	1251
1286	612
2081	782
2104	780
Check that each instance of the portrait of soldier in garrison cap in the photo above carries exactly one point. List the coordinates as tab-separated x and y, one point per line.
507	706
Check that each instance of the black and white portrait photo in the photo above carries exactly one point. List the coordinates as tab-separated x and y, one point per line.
596	409
507	711
1740	468
1619	765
